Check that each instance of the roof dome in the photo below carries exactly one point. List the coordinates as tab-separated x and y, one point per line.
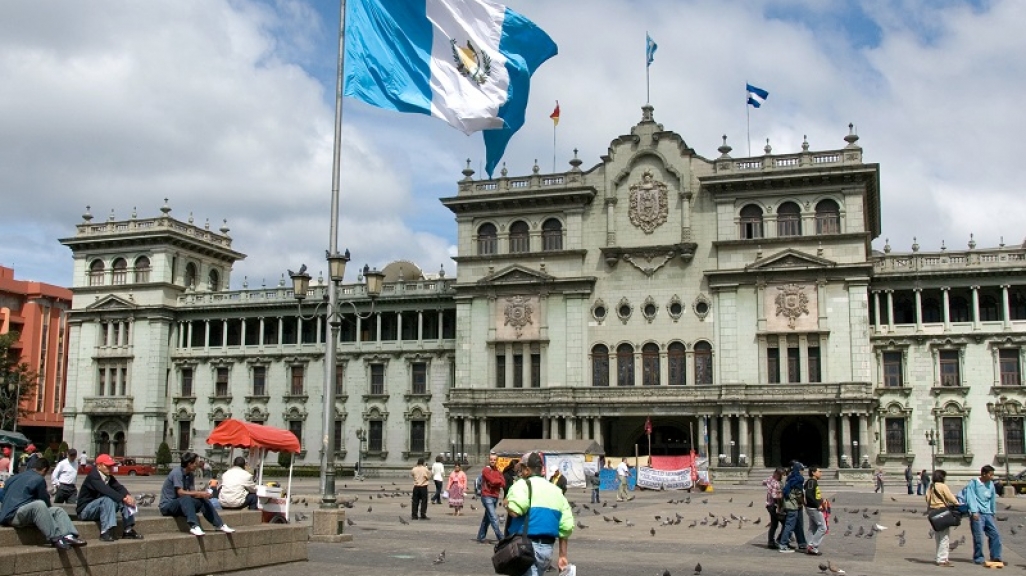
402	270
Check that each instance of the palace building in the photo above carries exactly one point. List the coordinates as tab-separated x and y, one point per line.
735	302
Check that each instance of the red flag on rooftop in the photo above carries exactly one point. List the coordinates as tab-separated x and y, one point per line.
555	115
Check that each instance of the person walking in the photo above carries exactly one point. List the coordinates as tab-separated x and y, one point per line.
793	495
492	484
774	505
924	483
421	476
939	496
814	509
622	472
64	478
438	476
27	503
103	497
457	487
982	501
908	478
879	479
545	509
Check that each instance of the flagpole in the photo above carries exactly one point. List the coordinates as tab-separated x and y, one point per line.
647	68
554	147
748	124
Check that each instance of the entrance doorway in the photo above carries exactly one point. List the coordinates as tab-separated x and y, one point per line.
801	438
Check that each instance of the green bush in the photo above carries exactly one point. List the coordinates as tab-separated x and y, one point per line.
284	459
49	455
164	456
63	448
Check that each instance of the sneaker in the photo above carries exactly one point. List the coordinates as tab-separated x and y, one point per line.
107	536
813	552
424	518
226	529
785	550
132	535
197	531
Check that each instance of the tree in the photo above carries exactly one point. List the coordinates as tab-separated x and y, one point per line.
164	455
17	383
284	459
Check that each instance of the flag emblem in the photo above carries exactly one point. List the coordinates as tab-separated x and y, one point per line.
756	95
650	50
471	62
555	114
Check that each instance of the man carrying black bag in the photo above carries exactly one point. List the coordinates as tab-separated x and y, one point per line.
547	514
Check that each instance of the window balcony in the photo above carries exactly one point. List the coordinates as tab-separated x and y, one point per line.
100	405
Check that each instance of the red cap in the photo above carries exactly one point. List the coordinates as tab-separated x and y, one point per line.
7	451
105	459
30	448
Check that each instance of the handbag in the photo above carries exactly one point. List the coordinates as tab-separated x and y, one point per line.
943	518
514	554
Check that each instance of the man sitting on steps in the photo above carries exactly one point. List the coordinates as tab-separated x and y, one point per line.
179	497
102	497
26	502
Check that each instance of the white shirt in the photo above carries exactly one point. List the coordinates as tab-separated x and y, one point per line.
437	470
236	483
83	459
621	469
64	473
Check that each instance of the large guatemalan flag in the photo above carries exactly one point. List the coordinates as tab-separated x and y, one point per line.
468	62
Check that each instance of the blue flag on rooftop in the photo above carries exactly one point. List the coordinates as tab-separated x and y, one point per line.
650	48
468	62
756	95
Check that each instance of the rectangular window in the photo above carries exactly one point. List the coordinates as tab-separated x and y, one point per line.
828	223
773	365
949	373
500	370
296	427
953	439
794	365
297	381
1009	359
814	364
518	370
104	334
101	381
115	334
418	430
789	225
187	382
375	436
1014	439
338	435
112	381
895	428
123	381
418	371
893	373
221	385
535	370
377	377
340	378
259	380
184	434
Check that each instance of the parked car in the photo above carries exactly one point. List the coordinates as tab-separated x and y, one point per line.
124	467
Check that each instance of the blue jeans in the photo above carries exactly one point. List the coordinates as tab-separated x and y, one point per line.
106	511
187	506
489	517
793	524
542	557
594	495
985	525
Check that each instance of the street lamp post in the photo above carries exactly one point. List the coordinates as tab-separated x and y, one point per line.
360	436
931	439
333	313
14	404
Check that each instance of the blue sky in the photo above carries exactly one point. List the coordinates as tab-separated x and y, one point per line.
225	107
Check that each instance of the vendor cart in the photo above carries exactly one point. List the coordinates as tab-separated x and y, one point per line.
260	440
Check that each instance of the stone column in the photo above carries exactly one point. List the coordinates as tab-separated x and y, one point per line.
596	427
714	440
976	307
727	437
377	318
189	335
919	309
758	460
876	310
546	428
468	437
743	446
206	335
554	428
420	325
507	350
486	436
359	329
1005	311
831	439
846	437
946	292
399	326
224	333
281	332
453	434
571	428
260	335
890	310
864	447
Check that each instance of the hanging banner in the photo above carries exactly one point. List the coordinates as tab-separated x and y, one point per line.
570	465
664	479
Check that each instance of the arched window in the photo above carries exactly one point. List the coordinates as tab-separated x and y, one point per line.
487	239
214	279
190	275
96	272
120	274
789	220
600	365
751	222
625	365
828	217
103	443
703	363
675	358
552	234
119	444
519	237
142	270
650	364
959	311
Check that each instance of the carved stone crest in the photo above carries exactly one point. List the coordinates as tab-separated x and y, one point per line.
648	203
792	302
518	313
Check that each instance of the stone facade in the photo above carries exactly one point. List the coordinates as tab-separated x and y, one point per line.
737	303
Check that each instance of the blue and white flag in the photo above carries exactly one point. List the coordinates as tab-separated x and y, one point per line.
468	62
650	48
756	95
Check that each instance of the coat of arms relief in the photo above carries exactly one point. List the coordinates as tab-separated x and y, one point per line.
648	206
792	303
518	313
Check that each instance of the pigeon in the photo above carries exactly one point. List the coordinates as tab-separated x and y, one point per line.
607	518
666	573
705	500
693	524
472	507
1008	506
617	520
878	527
629	524
705	522
1001	518
370	509
898	523
595	512
658	517
651	531
901	541
954	545
581	525
847	532
861	531
402	505
586	507
731	499
1014	530
403	520
758	521
350	522
750	504
929	534
440	559
301	517
613	506
732	516
698	569
711	515
823	567
604	504
834	569
893	499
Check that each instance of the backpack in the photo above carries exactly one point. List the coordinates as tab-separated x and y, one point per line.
479	483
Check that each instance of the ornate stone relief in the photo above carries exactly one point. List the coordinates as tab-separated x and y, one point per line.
624	310
648	203
652	261
792	303
701	306
675	308
599	310
649	309
518	313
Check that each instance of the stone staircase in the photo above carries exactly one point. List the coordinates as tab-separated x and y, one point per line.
166	550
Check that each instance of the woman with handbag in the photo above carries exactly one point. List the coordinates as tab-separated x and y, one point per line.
939	499
457	488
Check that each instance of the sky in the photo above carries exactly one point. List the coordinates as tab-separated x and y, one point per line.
226	108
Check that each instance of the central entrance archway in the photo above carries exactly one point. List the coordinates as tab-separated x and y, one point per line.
801	438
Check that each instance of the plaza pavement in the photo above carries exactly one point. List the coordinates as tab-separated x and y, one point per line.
384	546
